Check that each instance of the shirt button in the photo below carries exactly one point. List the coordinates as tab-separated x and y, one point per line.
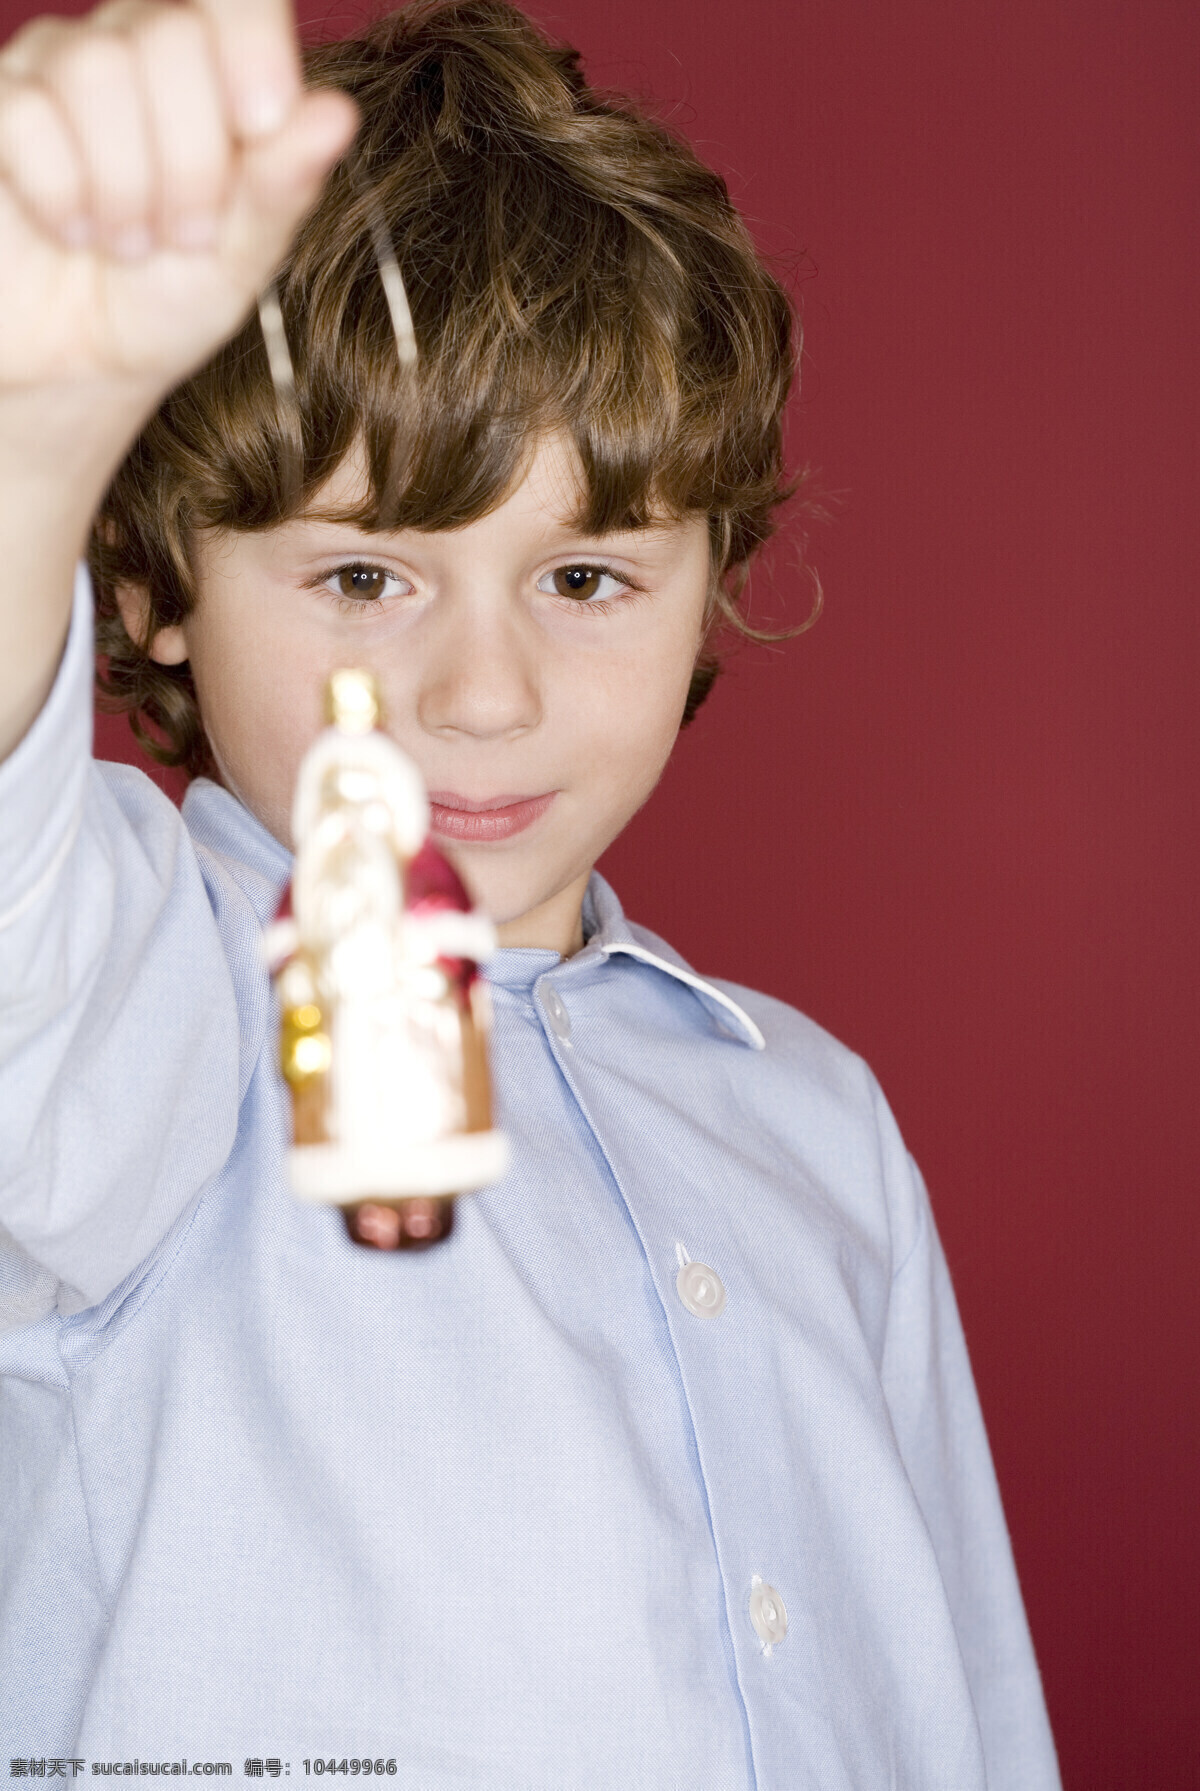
701	1289
767	1613
560	1019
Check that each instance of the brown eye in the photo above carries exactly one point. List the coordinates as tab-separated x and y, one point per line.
361	581
580	581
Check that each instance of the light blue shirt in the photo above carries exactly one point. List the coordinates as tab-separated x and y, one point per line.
504	1512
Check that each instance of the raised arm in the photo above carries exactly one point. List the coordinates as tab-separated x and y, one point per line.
155	161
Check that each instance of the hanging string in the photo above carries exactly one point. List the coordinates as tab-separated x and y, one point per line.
279	357
392	281
287	405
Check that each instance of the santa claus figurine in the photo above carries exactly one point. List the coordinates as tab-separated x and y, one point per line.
384	1016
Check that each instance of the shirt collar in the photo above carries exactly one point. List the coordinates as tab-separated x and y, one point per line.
607	932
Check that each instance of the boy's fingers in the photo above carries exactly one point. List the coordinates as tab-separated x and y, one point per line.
260	61
281	178
130	112
39	159
93	78
183	100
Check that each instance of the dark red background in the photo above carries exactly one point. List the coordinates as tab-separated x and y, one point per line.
956	822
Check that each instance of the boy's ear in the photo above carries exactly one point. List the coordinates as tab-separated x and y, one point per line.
167	646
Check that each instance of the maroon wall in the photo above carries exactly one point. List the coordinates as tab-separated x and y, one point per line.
955	823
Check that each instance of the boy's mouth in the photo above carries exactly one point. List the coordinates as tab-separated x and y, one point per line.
458	817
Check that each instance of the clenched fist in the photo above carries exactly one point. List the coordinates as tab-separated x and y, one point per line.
155	162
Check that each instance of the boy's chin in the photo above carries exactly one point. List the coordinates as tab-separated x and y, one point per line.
501	890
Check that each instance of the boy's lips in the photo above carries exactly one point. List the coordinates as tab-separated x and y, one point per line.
458	817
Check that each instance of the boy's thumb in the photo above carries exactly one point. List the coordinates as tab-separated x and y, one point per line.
281	177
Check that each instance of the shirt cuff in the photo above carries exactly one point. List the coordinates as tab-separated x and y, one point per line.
43	781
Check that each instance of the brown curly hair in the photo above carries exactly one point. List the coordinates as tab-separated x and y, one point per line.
570	264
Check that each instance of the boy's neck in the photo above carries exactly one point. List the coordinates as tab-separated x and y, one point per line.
554	925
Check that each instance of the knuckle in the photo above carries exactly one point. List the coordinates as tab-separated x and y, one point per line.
34	38
31	48
95	59
171	33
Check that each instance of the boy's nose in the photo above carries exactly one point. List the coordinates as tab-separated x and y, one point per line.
480	677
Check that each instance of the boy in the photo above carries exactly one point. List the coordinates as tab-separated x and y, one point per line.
666	1469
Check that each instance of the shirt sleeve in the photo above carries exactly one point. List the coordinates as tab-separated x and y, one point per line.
118	1019
939	1426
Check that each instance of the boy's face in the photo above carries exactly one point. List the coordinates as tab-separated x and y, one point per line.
495	682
